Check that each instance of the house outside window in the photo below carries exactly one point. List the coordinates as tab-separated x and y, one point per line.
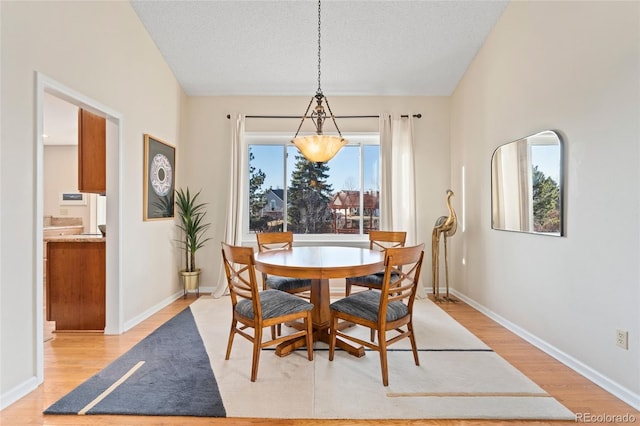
335	200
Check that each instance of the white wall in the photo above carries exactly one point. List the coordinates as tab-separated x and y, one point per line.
101	50
206	157
60	175
573	67
570	66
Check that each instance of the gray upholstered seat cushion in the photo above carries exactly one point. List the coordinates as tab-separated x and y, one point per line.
373	280
286	283
365	304
274	303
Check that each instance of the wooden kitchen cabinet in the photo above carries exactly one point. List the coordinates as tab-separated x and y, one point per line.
92	152
76	284
56	231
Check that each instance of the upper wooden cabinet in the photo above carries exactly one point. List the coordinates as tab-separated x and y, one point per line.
92	152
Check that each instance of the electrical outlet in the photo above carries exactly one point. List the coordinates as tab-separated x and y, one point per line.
622	339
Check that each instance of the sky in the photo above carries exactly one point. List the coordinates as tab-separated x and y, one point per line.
547	158
343	168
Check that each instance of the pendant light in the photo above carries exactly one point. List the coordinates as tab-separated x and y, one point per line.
319	148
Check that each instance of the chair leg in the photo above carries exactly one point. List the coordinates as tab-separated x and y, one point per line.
273	332
232	332
347	288
257	343
308	323
414	347
382	348
332	337
373	335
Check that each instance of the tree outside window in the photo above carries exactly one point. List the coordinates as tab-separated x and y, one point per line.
546	203
288	192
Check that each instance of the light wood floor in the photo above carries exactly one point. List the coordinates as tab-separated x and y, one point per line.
72	358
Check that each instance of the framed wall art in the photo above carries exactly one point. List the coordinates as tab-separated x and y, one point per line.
159	178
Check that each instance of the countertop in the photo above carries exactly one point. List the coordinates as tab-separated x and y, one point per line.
80	238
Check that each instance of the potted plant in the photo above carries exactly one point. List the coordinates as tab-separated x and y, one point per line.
191	215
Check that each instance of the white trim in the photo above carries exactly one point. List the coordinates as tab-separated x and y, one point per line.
114	305
39	234
13	395
115	238
153	310
617	390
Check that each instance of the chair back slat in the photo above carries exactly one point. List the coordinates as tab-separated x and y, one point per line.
382	240
239	266
274	240
241	281
405	263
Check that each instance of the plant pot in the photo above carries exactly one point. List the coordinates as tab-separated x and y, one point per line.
190	280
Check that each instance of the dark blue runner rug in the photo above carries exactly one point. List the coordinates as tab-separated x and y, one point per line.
166	374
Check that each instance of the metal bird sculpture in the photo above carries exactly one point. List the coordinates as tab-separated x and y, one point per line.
446	226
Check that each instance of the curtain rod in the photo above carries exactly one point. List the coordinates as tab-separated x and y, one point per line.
337	116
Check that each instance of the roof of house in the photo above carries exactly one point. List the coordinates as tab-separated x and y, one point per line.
278	192
351	199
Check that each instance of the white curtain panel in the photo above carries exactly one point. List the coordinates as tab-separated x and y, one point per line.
397	204
398	184
235	207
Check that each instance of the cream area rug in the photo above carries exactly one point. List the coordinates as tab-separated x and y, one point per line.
459	377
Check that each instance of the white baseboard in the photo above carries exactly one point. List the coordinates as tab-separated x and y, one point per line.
579	367
128	325
11	396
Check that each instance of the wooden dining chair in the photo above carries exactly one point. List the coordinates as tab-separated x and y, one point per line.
257	309
385	310
280	241
378	240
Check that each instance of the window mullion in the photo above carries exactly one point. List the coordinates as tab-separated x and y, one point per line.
285	198
361	170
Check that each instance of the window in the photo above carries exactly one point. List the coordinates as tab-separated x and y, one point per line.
286	192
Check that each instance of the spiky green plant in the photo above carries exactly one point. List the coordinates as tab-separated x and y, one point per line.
192	224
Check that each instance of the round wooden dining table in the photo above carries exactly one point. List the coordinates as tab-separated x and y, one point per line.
320	263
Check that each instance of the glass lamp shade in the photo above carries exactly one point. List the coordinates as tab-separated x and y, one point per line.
319	148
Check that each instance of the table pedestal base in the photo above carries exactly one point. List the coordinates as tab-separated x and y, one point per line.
286	348
321	315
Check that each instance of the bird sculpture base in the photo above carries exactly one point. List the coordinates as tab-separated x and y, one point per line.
444	299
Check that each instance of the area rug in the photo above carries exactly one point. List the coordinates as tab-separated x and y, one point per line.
171	372
166	374
459	376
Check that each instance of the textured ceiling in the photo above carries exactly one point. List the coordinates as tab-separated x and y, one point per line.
384	48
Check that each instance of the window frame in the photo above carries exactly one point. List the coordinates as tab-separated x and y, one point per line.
359	139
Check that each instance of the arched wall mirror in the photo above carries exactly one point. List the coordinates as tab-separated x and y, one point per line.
526	185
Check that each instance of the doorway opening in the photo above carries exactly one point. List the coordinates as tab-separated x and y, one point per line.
112	216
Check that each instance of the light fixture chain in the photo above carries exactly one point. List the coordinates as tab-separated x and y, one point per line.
318	148
319	21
